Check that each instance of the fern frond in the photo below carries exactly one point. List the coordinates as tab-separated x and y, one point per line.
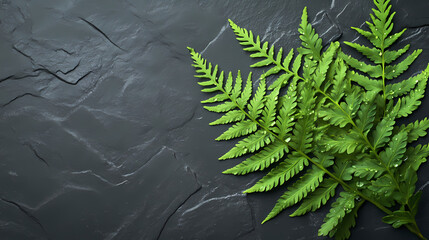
411	102
303	131
367	169
257	102
311	43
340	121
325	63
342	206
416	129
286	116
339	83
249	145
239	129
287	169
317	199
261	160
342	231
393	71
399	218
230	117
366	116
306	184
374	71
270	110
392	156
365	82
348	143
383	131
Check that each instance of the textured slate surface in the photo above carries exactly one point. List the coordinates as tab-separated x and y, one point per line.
102	135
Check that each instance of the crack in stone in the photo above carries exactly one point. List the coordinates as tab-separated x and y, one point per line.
16	77
71	70
21	96
22	53
62	79
185	200
99	177
101	32
150	159
36	153
28	214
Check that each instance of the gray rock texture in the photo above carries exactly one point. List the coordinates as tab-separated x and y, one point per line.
102	134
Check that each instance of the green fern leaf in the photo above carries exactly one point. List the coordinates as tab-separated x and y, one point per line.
340	121
399	218
249	145
392	55
311	43
239	129
257	102
411	102
285	118
261	160
367	169
342	206
374	71
270	110
416	129
306	184
303	132
325	62
367	83
392	156
338	83
383	131
366	117
280	174
394	71
342	231
230	117
318	198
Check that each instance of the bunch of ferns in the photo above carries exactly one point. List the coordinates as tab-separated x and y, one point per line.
326	123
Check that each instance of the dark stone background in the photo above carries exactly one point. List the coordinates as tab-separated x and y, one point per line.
102	132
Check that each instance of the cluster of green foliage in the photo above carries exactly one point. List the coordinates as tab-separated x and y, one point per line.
332	134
